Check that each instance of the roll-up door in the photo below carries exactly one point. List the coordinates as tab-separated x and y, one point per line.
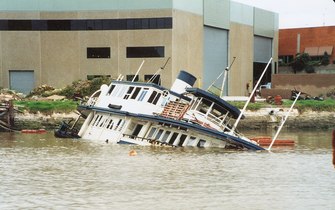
262	55
21	81
215	56
262	49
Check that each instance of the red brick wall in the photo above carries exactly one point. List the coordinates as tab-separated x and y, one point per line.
309	37
313	84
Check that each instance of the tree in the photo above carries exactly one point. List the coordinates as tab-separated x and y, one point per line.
300	62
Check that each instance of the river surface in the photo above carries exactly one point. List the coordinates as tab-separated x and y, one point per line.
38	171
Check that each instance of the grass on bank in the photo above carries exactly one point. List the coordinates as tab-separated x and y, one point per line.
67	106
47	107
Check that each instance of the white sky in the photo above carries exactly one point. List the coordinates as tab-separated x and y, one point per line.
298	13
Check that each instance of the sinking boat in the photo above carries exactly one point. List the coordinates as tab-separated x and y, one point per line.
127	112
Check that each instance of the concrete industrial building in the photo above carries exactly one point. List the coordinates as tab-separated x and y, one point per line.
58	42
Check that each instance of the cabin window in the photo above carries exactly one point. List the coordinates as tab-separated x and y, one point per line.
111	89
182	140
143	93
152	96
191	141
173	138
118	124
130	90
137	130
102	122
122	124
122	91
98	120
151	133
166	136
110	124
201	143
156	99
95	120
137	90
116	90
159	133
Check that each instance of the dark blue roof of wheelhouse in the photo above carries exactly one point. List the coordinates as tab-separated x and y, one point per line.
220	104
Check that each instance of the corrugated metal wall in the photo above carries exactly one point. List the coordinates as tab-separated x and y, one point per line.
262	49
215	55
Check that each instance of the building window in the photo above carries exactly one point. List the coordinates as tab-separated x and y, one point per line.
94	76
84	25
286	59
98	52
19	25
131	77
58	25
156	79
145	52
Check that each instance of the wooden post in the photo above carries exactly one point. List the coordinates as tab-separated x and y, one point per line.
333	143
10	113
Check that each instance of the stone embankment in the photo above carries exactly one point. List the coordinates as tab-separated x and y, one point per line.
261	119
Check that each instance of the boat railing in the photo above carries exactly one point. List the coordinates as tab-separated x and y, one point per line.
91	101
151	141
93	98
205	119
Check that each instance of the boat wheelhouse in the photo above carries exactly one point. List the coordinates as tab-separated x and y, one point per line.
148	114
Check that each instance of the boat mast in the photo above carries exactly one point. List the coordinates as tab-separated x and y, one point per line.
283	122
225	72
138	70
225	76
158	71
249	99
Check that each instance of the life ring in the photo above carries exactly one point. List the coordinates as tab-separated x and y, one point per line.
165	93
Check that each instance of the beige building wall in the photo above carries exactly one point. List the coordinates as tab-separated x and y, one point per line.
187	44
241	46
20	51
60	57
275	52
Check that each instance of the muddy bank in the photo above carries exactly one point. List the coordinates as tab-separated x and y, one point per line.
272	117
41	121
261	119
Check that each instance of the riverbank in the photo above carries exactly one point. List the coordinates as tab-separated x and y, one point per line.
261	119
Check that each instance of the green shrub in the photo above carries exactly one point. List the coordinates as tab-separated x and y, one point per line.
309	69
300	61
325	59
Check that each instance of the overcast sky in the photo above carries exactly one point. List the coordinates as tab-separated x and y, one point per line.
298	13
